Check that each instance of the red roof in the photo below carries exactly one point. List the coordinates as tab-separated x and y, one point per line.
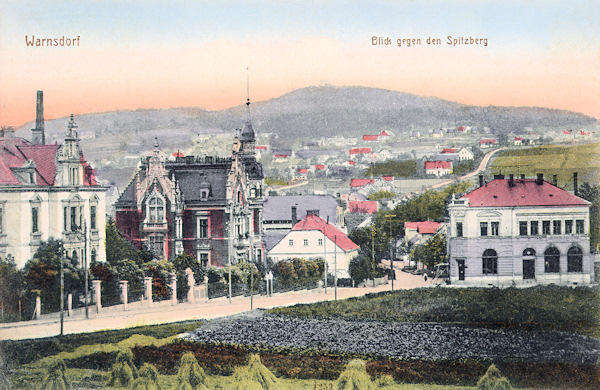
438	165
361	182
384	134
567	131
424	227
319	167
583	132
518	138
487	141
178	154
364	207
302	170
351	162
281	155
525	192
360	151
313	222
370	137
260	147
461	128
388	178
449	150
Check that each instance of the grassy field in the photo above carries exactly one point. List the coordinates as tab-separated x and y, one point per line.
552	160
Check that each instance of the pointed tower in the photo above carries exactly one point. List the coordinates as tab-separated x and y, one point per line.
247	137
69	171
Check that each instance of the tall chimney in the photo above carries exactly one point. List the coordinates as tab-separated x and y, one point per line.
480	180
511	180
39	138
540	179
575	188
522	176
555	180
294	215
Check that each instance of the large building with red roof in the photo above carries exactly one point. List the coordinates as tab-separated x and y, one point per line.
49	191
313	237
519	232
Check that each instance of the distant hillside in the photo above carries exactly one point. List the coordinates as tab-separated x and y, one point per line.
305	113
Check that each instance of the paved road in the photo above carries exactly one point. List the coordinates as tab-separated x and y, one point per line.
220	307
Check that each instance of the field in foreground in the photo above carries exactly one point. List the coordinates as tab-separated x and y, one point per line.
89	358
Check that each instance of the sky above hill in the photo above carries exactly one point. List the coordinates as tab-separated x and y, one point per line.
161	54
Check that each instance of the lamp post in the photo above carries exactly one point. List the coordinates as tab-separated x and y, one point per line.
85	262
335	267
62	292
392	250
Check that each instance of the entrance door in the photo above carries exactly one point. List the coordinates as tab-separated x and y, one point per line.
461	269
528	269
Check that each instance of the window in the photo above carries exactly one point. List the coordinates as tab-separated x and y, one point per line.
202	227
552	260
290	242
490	262
203	259
495	228
1	210
523	228
93	217
305	242
575	259
156	245
529	252
459	229
156	209
569	227
579	229
556	227
34	219
93	256
483	226
320	242
534	228
73	218
546	227
65	218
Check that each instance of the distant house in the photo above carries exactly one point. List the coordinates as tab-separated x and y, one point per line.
319	167
415	134
282	153
357	183
518	141
385	133
449	150
447	157
261	147
358	151
313	237
370	138
437	133
465	154
364	207
388	178
438	168
385	154
283	212
487	143
417	233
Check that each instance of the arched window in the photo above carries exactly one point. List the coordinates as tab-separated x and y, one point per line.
575	259
156	209
529	252
552	260
490	262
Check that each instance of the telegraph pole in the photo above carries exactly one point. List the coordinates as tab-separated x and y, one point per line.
335	266
85	262
373	253
62	292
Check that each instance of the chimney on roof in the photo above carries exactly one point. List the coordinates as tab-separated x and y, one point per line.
294	215
500	176
37	133
575	188
522	176
540	179
511	180
555	180
480	180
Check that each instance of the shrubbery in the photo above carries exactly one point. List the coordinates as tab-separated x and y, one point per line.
298	271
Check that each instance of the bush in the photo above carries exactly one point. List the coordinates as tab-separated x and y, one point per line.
123	372
493	380
355	377
55	378
147	380
190	375
254	376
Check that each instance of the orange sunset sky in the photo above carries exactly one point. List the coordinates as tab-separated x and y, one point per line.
153	54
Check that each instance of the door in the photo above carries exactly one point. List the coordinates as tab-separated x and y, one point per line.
528	269
461	269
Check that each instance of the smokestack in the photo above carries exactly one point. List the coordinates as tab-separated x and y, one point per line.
576	190
39	138
480	180
294	215
540	179
511	180
555	180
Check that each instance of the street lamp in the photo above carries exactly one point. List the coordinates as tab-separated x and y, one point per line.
392	250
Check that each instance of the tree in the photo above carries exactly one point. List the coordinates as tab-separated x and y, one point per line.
432	252
11	286
361	267
182	262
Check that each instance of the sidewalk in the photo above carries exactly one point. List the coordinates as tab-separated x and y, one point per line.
219	307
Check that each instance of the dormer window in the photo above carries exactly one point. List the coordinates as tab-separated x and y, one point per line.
156	209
